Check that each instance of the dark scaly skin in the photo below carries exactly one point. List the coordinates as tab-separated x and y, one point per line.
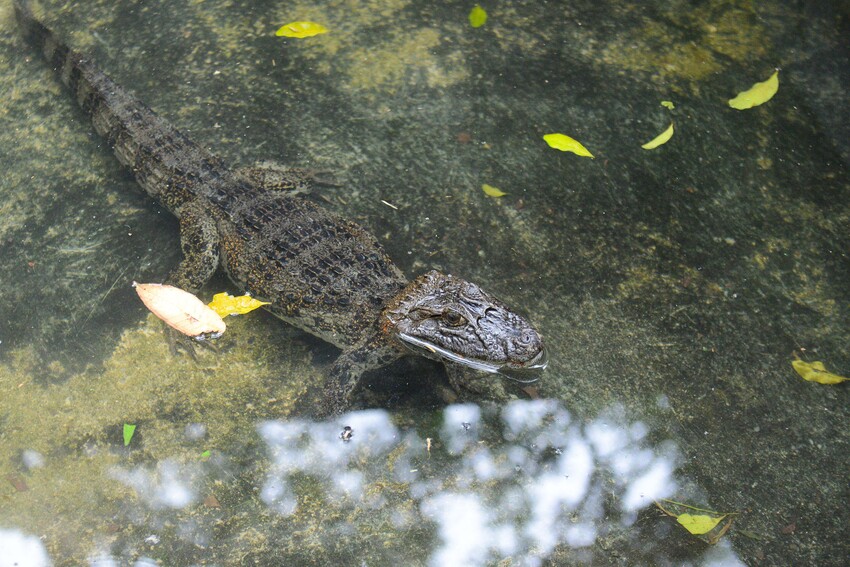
320	272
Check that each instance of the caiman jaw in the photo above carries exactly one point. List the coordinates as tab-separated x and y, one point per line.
447	318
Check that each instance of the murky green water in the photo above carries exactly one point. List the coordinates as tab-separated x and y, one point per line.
674	287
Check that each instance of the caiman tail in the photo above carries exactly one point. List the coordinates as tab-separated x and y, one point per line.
165	162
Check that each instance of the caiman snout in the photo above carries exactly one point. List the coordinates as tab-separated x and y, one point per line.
515	342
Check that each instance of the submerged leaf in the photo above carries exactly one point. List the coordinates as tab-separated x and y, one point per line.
566	144
225	304
129	429
699	524
758	94
180	310
477	16
816	372
660	139
18	482
491	191
301	29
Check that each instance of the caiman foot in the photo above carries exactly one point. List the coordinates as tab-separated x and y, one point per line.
178	342
470	383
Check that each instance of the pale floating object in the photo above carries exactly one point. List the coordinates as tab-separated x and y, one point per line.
491	191
758	94
301	29
660	139
566	144
181	310
668	104
225	304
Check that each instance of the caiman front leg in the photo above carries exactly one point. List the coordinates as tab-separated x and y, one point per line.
347	371
465	380
276	177
199	241
200	245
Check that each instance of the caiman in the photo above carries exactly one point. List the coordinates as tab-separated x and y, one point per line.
320	272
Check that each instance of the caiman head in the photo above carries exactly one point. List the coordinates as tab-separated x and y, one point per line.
447	318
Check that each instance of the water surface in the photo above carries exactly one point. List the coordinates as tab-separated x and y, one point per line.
674	287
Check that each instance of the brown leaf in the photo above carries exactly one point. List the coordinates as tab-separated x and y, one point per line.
18	482
532	392
211	501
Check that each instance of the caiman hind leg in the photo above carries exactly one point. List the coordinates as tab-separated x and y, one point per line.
199	241
346	373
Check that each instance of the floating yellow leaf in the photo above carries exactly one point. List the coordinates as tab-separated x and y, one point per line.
758	94
477	17
816	372
566	144
660	139
491	191
180	310
225	304
301	29
668	104
699	524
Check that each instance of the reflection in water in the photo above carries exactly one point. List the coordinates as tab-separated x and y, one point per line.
514	483
511	485
166	487
17	548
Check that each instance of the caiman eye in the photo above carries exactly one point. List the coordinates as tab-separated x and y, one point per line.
454	318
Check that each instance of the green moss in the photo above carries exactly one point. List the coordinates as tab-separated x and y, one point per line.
401	51
77	424
664	51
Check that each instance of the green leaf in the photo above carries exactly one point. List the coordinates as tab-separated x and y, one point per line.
816	372
698	524
491	191
477	17
129	429
301	29
758	94
566	144
660	139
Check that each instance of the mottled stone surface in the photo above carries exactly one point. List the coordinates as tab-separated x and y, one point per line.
673	286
